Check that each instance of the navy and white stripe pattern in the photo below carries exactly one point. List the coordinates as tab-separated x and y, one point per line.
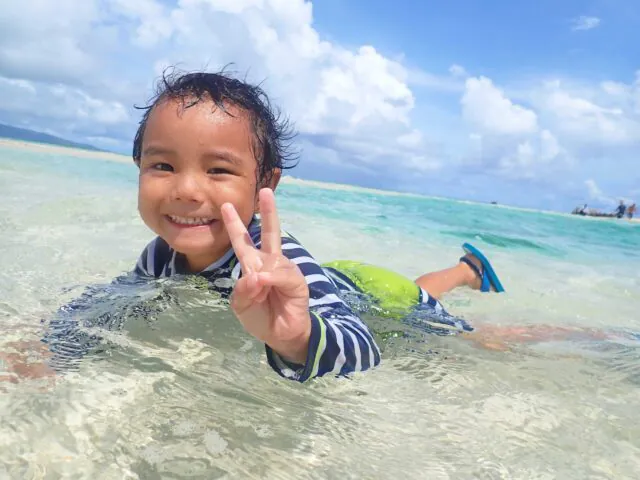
340	342
78	326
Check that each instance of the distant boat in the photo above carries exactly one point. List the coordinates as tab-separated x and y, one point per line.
594	214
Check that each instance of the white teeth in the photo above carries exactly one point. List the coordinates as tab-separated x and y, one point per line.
191	220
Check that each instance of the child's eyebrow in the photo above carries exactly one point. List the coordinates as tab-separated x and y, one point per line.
224	156
154	150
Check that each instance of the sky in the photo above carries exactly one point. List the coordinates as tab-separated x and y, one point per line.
533	104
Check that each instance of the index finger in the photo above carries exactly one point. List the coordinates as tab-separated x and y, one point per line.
241	242
270	235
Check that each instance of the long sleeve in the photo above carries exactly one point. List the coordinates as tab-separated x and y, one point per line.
340	342
74	331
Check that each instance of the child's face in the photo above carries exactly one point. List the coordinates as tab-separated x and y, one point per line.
193	161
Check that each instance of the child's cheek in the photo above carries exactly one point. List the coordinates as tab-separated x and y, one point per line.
146	202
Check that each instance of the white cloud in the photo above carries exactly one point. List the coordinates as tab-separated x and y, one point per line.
507	138
530	157
570	106
584	127
486	106
595	193
635	94
59	102
458	71
523	157
614	88
421	164
154	24
440	83
76	67
20	87
601	114
65	111
325	88
549	146
41	39
358	87
584	23
410	140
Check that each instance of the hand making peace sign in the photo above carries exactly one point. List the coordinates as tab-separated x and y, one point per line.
271	298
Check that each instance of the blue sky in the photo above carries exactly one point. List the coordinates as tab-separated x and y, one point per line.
495	37
534	104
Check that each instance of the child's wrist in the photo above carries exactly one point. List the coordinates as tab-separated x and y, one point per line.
295	350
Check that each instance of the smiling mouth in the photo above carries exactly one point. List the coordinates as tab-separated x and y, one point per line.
191	221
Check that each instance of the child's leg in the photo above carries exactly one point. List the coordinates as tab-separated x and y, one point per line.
439	283
497	337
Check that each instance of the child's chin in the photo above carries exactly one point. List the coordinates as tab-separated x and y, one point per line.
193	240
196	249
190	248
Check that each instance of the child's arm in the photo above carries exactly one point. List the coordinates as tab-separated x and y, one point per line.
284	299
73	331
63	343
19	362
340	342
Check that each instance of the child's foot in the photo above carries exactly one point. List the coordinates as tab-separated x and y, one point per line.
486	279
472	280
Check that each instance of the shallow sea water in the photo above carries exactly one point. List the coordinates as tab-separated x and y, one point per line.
185	393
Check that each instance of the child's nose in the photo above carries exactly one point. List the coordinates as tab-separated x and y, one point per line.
189	188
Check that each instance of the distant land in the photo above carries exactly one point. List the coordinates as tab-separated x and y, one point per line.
15	133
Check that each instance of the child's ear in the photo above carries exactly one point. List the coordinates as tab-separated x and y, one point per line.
272	184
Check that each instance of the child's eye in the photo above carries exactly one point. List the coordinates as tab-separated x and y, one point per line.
219	171
165	167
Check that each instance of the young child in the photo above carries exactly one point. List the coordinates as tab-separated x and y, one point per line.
210	151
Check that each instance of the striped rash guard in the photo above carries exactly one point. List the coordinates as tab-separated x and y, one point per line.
340	342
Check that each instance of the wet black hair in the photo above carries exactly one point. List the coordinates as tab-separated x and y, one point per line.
273	133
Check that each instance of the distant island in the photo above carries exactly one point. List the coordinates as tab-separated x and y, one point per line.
15	133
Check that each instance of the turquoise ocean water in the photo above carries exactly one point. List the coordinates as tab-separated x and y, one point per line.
189	395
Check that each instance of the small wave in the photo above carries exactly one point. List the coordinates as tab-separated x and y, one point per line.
506	242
